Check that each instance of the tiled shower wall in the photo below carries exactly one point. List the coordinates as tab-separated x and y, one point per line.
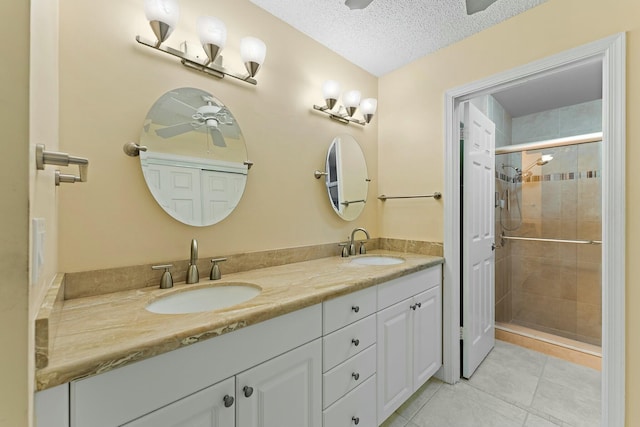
553	287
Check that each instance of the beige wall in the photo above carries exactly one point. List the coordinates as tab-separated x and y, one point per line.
14	227
108	82
411	116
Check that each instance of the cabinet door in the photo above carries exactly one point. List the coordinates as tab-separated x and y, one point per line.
427	335
283	392
395	371
211	407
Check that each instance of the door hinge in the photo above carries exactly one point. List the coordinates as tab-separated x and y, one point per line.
461	333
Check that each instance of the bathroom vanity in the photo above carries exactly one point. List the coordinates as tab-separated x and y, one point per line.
325	342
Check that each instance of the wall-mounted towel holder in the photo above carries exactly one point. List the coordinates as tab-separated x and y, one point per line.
44	157
435	195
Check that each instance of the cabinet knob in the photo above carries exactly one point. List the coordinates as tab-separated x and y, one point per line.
355	420
228	401
413	307
419	304
355	342
248	391
416	306
356	376
355	308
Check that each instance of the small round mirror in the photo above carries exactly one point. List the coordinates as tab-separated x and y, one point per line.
196	160
347	179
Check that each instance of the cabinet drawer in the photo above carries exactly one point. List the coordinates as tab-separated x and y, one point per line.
348	375
358	405
347	342
405	287
341	311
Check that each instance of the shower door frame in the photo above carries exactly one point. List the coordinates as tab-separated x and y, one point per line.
611	52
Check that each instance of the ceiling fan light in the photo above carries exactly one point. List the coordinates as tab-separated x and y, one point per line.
163	17
252	51
213	35
330	92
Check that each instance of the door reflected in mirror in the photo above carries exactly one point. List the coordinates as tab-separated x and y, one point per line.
347	179
196	162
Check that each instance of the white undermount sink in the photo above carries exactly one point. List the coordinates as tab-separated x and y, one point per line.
204	299
377	260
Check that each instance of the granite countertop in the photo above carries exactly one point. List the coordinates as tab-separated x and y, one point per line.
99	333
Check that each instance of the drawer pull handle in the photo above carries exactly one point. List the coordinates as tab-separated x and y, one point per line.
355	308
355	342
248	391
356	376
355	420
228	401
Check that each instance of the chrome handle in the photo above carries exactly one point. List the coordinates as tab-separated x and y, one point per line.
356	376
355	420
132	149
248	391
355	342
419	304
228	401
355	308
416	306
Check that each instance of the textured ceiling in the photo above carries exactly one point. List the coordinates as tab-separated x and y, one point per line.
389	33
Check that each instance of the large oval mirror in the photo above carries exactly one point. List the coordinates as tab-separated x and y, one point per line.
347	179
196	160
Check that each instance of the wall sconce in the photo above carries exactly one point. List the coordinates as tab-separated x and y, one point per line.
351	102
163	18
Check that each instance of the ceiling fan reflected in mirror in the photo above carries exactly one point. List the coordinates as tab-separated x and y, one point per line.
210	115
474	6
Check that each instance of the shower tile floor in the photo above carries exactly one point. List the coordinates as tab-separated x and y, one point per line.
513	387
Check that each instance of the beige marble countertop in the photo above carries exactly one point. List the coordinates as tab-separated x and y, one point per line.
99	333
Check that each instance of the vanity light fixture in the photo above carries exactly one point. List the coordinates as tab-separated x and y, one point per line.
163	18
350	100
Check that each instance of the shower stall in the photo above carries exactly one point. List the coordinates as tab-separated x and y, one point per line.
548	235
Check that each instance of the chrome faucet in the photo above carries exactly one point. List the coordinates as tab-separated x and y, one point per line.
352	245
192	271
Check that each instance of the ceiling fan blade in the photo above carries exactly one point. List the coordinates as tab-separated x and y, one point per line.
216	137
181	108
474	6
357	4
171	131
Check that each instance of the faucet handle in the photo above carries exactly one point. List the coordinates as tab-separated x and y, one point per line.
166	281
345	249
215	269
363	250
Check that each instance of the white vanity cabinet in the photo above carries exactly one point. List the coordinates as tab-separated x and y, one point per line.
349	360
211	407
409	337
168	383
282	392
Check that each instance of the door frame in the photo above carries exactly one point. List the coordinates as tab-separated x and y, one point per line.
611	51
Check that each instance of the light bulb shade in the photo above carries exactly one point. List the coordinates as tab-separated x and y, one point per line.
351	100
211	30
369	106
330	92
252	51
213	35
546	158
162	16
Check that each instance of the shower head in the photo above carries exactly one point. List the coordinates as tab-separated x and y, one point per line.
541	161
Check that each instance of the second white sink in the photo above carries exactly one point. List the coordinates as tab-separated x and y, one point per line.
204	299
377	260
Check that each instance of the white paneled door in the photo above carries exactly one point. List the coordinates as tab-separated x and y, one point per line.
478	239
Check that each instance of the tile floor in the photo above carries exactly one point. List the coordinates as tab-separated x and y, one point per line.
513	387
